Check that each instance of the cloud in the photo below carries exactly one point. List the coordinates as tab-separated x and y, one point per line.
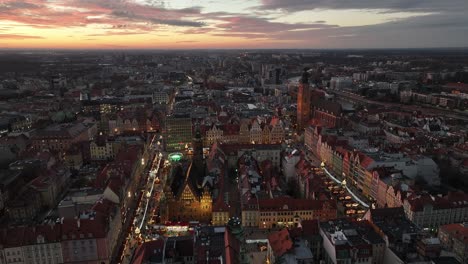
116	33
15	5
197	31
262	25
156	20
425	23
422	31
16	36
70	13
434	23
243	35
399	5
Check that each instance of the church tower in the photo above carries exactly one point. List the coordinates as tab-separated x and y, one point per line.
197	145
303	101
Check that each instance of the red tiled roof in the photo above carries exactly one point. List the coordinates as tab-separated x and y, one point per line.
274	120
310	227
452	200
50	233
223	118
115	185
103	206
457	85
231	129
111	170
13	237
365	160
463	147
280	242
96	227
145	250
232	246
457	231
129	153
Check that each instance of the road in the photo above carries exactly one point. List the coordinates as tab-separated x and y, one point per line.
151	192
131	205
315	161
134	198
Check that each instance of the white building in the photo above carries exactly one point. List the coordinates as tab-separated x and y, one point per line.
288	163
341	83
432	211
412	167
358	143
360	76
264	152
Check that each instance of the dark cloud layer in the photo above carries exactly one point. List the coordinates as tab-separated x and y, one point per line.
396	5
443	23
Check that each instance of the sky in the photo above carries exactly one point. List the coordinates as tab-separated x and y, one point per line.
233	24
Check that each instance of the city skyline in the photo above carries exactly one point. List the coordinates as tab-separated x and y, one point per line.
252	24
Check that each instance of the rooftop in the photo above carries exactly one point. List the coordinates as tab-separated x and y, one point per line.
392	222
280	242
457	231
349	232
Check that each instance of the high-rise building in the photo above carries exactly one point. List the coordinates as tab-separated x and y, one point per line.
303	101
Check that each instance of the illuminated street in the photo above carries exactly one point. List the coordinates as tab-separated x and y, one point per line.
149	197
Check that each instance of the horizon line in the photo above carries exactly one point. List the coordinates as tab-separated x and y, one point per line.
226	49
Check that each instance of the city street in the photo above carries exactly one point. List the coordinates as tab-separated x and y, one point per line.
150	194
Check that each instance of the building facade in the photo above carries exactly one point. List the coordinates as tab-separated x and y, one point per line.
430	211
286	212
